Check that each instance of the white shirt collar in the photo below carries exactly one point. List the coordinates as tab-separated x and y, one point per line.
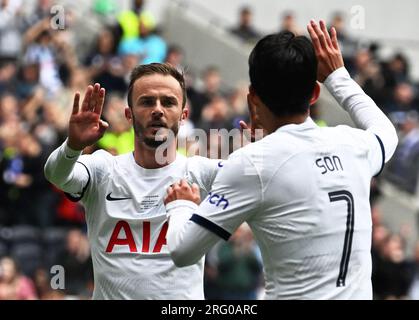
308	124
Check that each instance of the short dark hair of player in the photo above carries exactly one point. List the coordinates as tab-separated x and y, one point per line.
283	71
165	69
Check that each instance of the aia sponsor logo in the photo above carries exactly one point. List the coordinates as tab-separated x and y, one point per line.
145	236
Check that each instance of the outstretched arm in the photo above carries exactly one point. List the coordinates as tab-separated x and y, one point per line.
186	240
85	128
362	109
234	198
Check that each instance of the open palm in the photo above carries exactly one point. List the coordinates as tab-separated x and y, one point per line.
326	47
85	126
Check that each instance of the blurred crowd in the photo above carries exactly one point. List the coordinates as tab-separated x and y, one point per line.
40	71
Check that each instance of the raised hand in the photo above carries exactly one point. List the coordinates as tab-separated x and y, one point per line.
183	191
85	126
326	47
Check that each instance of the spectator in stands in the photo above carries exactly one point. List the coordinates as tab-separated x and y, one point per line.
245	29
119	138
289	23
104	65
379	234
367	73
41	11
105	8
403	169
239	267
403	99
396	70
130	59
10	160
27	80
10	29
42	50
35	202
392	273
128	20
43	287
13	285
348	45
175	55
211	89
149	46
8	73
77	264
216	115
42	283
56	112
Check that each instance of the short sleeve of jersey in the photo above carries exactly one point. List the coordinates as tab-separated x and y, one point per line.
235	194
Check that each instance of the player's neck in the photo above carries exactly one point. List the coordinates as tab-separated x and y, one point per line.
277	122
152	158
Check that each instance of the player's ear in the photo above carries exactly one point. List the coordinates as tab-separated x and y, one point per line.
185	114
316	94
252	100
128	114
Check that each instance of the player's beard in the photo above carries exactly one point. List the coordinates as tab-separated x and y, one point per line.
156	140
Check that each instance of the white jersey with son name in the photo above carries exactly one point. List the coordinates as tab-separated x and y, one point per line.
304	191
126	221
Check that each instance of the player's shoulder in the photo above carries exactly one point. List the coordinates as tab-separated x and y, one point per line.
96	158
345	134
105	160
241	160
101	153
200	161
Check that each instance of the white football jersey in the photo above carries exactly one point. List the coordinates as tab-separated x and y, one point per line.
304	191
126	220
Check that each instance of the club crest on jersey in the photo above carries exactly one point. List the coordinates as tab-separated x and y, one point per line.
218	200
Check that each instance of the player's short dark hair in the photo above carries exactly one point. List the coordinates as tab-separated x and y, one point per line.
283	71
246	10
165	69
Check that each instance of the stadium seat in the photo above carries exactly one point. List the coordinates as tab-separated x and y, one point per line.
25	234
29	257
6	234
53	240
5	240
4	251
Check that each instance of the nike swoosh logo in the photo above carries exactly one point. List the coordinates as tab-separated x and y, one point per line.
110	198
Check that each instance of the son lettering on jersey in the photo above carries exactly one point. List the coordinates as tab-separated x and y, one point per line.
129	242
329	164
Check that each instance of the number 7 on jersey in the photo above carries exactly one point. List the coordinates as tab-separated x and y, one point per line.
343	195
